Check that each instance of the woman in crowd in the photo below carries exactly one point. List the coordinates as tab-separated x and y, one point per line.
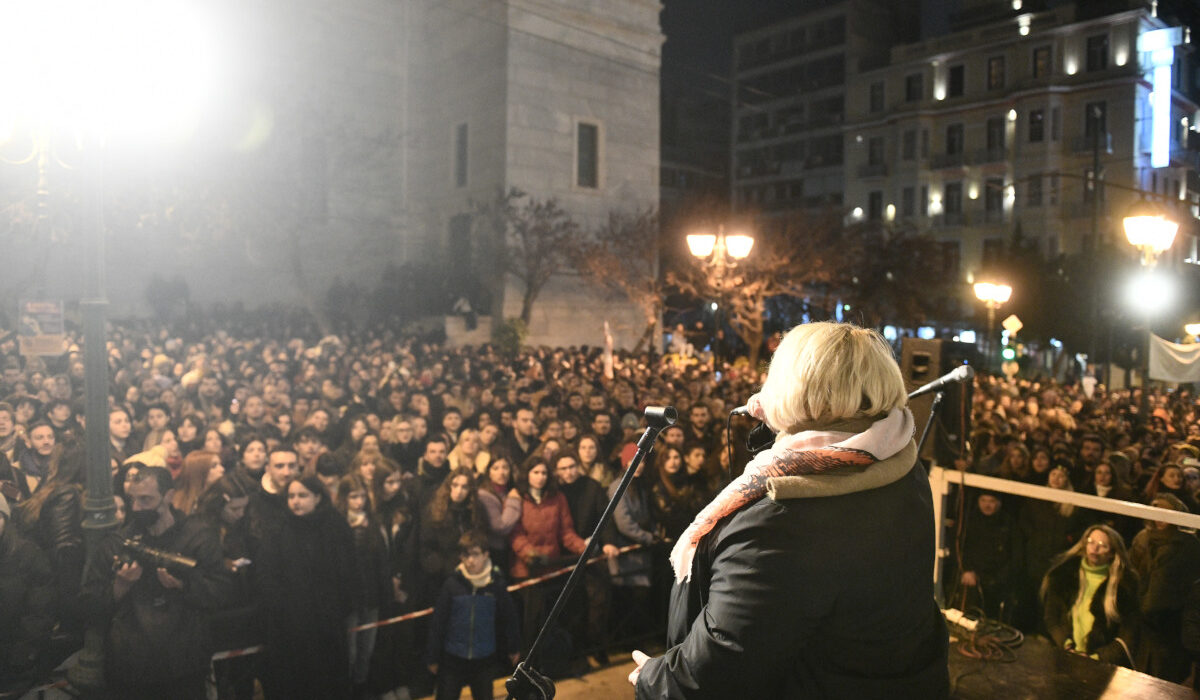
502	502
1169	479
253	459
365	464
52	518
1089	598
545	529
469	452
354	431
1045	529
354	503
200	470
191	433
453	511
673	500
405	449
307	653
593	464
1016	466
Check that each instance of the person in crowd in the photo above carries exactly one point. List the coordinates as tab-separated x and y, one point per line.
353	501
474	624
201	469
1105	484
157	643
502	503
673	499
268	508
1044	530
1166	560
308	652
836	398
222	507
593	463
1169	479
453	510
586	502
1089	598
34	460
989	572
190	433
119	429
252	459
469	452
27	610
545	529
52	518
432	470
521	440
404	448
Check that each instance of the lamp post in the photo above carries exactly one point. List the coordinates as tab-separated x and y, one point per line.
993	295
1151	232
102	75
721	253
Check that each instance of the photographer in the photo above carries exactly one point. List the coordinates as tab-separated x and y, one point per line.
157	643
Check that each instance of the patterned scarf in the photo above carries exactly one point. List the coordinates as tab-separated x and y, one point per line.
807	452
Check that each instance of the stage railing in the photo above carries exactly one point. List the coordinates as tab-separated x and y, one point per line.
940	480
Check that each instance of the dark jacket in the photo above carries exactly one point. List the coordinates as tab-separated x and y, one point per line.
438	544
799	596
586	501
1062	588
473	623
156	634
1167	561
59	532
310	581
26	603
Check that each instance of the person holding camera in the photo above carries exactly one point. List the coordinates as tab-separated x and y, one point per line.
154	605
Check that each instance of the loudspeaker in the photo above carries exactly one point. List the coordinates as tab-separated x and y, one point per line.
921	362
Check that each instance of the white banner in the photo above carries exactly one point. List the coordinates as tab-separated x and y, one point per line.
1172	362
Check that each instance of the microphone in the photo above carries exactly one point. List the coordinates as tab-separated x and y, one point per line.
959	374
740	411
660	416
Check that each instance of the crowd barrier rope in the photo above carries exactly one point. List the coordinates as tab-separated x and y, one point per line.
247	651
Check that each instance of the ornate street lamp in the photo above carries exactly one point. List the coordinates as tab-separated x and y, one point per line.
1148	228
721	253
993	295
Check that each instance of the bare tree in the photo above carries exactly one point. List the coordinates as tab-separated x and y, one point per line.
622	256
531	238
901	276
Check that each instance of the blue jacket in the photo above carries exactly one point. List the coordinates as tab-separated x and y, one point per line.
473	623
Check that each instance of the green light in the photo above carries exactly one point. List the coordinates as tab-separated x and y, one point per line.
1008	353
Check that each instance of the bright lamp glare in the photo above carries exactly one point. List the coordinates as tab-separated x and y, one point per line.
738	246
1150	292
113	68
701	244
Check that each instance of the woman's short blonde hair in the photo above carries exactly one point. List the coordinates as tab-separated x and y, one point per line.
825	372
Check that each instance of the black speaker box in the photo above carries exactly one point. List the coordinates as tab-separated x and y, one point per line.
921	362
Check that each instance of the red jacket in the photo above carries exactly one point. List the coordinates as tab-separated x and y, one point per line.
544	529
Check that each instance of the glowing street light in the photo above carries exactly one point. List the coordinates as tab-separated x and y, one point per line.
101	74
993	295
720	252
1192	329
1148	229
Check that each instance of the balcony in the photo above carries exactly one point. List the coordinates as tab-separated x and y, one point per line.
1085	144
877	170
946	160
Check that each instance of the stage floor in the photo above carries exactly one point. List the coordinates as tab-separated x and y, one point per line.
1042	672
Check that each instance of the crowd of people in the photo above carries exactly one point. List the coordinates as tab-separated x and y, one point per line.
1114	587
312	484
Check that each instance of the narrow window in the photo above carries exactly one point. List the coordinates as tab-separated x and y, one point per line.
588	156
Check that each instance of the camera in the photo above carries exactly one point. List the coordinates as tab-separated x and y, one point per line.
132	550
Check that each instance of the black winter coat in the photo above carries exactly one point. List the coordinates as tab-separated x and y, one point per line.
309	582
59	532
586	501
817	597
26	604
156	634
1062	588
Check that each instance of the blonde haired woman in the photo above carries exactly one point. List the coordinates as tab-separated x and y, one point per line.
809	573
1090	599
469	452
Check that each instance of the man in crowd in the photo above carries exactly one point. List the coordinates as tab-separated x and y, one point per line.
432	469
521	441
267	508
157	642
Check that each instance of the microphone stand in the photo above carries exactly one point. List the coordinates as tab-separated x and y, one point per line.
526	683
933	409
